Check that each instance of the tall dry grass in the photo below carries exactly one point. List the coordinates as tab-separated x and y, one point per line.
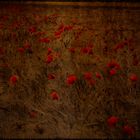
27	109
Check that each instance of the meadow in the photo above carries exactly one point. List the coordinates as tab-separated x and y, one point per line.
68	72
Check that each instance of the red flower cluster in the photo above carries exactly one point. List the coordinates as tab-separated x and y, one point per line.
113	66
59	31
26	47
89	77
127	129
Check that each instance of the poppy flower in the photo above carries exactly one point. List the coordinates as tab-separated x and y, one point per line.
87	50
40	33
49	59
27	45
49	50
112	72
88	75
120	46
58	34
59	31
33	114
72	50
112	121
133	77
51	76
54	95
32	29
68	28
44	40
113	64
21	50
98	75
71	79
128	130
13	79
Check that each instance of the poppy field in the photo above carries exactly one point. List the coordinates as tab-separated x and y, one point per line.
69	72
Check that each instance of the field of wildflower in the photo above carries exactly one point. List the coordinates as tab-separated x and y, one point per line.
69	72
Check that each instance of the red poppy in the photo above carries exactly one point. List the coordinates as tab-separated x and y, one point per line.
21	50
120	46
13	79
72	50
112	121
49	59
113	64
88	75
128	130
112	72
32	29
51	76
58	33
87	50
49	50
44	40
68	28
54	95
133	77
40	33
98	75
27	45
71	79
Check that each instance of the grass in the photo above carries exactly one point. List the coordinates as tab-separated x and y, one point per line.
27	109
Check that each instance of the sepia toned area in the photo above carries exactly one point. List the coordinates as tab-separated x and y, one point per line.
65	70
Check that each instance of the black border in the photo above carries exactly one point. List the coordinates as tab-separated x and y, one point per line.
70	1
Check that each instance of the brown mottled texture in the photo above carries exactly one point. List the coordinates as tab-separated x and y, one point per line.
26	108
